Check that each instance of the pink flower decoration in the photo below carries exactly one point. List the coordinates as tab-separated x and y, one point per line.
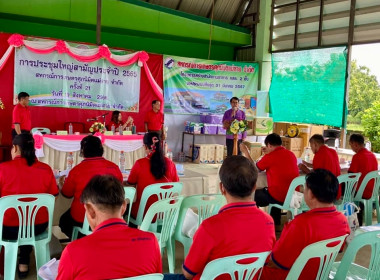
16	40
61	47
104	51
143	56
101	136
38	141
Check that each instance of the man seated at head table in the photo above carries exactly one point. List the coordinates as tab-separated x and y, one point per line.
321	222
113	250
240	227
91	149
363	161
324	157
281	168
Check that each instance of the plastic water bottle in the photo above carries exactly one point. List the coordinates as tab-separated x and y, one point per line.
336	143
133	129
70	161
71	129
122	161
120	130
307	154
368	145
170	154
113	129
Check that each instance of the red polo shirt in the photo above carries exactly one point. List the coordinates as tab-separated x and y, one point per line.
112	251
16	177
364	161
142	177
154	120
315	225
238	228
80	175
21	115
327	158
281	168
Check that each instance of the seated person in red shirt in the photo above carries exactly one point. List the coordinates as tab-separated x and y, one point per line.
322	222
281	168
363	161
154	168
25	175
113	250
117	120
324	157
93	164
240	227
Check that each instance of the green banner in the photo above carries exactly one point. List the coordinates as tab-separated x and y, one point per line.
309	86
195	86
57	80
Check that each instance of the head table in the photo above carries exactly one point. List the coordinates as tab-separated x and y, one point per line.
55	149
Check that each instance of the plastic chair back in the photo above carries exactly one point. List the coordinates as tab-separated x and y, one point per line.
347	267
154	276
350	181
368	203
206	205
298	181
27	212
236	270
130	193
326	251
43	130
86	229
167	212
160	191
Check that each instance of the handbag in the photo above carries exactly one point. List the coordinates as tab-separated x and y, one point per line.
351	211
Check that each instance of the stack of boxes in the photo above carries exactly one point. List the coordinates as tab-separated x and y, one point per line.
207	153
254	149
259	126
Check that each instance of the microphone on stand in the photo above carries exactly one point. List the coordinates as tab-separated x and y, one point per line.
92	119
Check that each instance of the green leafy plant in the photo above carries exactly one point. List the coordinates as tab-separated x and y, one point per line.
371	124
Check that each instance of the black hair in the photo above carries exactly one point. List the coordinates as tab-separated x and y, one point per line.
155	101
234	98
157	160
317	138
115	116
357	138
25	141
323	184
274	139
22	94
238	176
91	146
105	191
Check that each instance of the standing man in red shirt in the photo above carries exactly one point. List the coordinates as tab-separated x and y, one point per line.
324	157
322	222
93	164
113	250
239	227
363	161
281	168
21	120
154	120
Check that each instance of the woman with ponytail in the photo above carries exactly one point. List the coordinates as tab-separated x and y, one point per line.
154	168
24	174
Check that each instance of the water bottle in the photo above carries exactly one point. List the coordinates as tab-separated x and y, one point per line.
133	129
71	129
70	161
307	155
170	154
113	129
120	130
122	161
368	145
336	143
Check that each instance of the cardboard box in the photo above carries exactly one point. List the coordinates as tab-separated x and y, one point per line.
254	149
221	130
210	153
281	126
200	154
307	130
293	144
219	153
210	128
261	125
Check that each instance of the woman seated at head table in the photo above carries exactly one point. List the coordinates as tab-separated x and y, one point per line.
154	168
24	174
117	120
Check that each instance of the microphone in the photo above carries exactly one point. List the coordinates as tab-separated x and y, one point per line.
92	119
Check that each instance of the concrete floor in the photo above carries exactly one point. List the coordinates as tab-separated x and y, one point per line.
362	257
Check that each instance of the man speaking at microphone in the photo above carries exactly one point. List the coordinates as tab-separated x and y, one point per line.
229	116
